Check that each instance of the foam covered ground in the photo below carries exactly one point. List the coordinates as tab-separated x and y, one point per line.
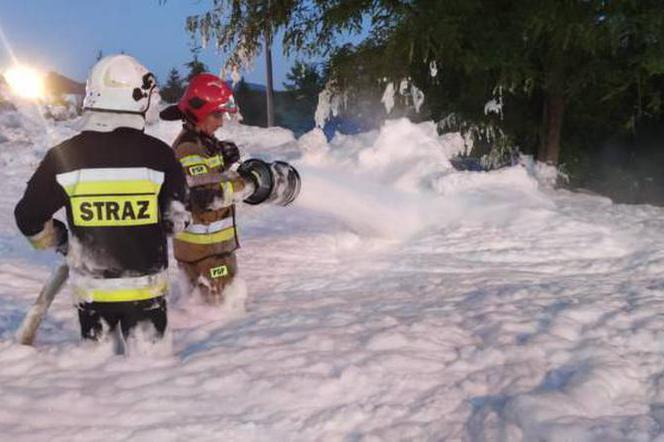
397	300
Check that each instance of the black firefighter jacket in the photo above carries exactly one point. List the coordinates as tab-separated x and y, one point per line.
116	188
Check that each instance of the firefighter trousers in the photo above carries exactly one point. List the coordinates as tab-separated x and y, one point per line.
211	275
101	318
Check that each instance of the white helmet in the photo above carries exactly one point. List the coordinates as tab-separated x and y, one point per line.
119	84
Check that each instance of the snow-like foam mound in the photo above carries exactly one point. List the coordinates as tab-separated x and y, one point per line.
398	181
505	310
401	155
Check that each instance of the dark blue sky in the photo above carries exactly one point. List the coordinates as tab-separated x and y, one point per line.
65	35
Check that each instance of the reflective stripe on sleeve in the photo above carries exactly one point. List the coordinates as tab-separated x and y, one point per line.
215	161
192	160
196	160
228	190
44	239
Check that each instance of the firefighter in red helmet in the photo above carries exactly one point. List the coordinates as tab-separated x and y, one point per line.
216	180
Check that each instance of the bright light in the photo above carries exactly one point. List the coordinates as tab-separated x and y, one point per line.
25	81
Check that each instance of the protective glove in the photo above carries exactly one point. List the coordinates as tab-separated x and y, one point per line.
177	218
61	237
229	152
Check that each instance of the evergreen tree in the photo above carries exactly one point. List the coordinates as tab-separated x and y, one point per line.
304	79
195	66
240	28
548	60
174	88
251	104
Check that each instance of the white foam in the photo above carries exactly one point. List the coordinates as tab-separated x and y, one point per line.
397	299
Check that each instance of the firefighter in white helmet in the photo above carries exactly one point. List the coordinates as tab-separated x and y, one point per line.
117	185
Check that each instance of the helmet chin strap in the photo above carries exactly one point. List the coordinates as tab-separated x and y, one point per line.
149	100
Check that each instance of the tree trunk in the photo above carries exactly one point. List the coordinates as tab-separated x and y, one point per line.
552	124
270	88
269	92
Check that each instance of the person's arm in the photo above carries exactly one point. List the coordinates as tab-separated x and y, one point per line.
203	183
42	198
172	195
175	184
229	153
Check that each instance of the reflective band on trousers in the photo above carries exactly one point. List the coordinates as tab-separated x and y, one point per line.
111	197
206	238
140	288
213	227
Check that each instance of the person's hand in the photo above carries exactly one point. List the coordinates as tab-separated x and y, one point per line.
177	218
61	237
201	197
229	152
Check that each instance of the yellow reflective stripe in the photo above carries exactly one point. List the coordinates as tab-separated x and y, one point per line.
123	295
215	161
113	174
41	244
206	238
44	239
112	187
192	160
228	189
195	160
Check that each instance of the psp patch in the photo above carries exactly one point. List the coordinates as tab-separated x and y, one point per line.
198	170
218	272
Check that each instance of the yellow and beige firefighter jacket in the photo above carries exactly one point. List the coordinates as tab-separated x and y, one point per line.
212	230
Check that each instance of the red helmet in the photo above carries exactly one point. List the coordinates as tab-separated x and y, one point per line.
205	94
